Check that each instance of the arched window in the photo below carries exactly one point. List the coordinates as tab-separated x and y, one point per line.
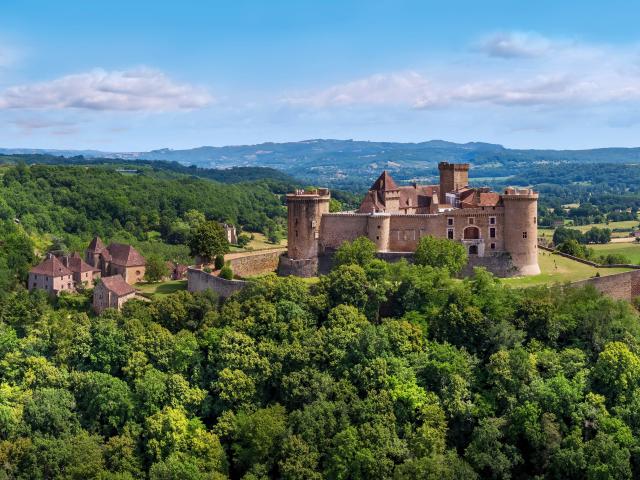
471	233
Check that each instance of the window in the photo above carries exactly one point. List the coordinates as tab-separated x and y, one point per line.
524	234
450	221
377	238
470	220
450	233
378	227
492	220
535	220
493	246
492	232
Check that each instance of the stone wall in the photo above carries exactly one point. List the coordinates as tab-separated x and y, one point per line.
621	286
499	264
336	228
247	264
300	268
199	280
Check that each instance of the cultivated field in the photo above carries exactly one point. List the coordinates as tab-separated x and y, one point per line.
629	250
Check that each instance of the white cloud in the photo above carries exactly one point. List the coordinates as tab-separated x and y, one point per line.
132	90
515	45
551	74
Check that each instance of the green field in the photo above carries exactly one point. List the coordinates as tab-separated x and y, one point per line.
630	250
548	232
557	269
161	289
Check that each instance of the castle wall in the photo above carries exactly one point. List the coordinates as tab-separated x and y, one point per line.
621	286
337	228
247	264
199	280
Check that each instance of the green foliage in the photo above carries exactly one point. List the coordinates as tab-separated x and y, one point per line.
360	251
377	371
208	241
226	272
156	269
219	262
441	253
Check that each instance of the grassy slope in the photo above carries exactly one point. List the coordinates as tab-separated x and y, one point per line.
629	250
557	269
162	289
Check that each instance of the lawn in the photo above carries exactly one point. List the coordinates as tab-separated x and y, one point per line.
557	269
630	250
548	232
161	289
260	242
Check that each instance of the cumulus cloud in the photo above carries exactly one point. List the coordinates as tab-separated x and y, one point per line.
131	90
552	74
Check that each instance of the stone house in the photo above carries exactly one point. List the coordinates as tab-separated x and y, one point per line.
51	275
84	275
230	233
111	292
116	259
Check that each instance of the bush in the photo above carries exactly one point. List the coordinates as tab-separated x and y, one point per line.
226	272
441	253
219	262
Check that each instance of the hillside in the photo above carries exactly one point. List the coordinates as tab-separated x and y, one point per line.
352	164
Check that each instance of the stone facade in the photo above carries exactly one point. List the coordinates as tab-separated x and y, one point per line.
247	264
116	259
52	276
621	286
499	231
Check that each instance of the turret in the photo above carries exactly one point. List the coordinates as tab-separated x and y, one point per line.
305	210
452	177
378	227
521	229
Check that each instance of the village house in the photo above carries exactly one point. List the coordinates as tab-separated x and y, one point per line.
52	276
116	259
84	275
111	292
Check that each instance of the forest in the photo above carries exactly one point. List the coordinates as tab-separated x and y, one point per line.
377	371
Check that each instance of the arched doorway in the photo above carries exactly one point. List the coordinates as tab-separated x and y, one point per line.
473	249
471	233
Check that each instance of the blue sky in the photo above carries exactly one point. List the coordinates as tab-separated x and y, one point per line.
137	75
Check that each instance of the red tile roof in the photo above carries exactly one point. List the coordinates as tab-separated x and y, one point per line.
125	255
76	264
51	267
117	285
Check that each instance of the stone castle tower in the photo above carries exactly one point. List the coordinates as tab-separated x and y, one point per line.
521	228
453	176
305	211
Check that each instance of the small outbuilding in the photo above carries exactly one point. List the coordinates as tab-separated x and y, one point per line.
111	292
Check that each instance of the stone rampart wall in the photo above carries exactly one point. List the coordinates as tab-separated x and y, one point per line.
621	286
199	280
247	264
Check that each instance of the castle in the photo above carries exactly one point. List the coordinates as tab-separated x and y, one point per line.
499	231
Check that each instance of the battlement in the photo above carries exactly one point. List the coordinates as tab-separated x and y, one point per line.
457	167
519	193
316	193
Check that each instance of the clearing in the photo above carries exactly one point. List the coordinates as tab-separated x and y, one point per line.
629	250
161	289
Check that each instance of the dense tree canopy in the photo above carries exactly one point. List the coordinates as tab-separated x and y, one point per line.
377	371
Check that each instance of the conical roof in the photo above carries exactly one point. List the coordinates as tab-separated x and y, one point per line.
384	183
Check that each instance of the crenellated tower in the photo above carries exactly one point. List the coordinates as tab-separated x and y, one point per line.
452	177
521	229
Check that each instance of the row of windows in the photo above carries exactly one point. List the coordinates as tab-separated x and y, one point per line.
470	221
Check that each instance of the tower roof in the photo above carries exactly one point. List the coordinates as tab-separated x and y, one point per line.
384	183
96	244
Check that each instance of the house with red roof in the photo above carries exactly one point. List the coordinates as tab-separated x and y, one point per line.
116	259
52	276
83	274
111	292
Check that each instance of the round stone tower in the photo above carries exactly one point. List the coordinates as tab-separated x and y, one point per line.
521	229
378	229
305	210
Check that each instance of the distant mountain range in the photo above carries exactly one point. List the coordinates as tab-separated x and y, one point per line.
354	163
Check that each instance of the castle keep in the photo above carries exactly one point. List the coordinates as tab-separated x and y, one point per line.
499	231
